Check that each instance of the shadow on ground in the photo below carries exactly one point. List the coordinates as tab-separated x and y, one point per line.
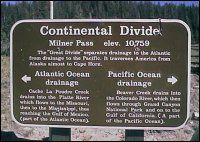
10	136
195	70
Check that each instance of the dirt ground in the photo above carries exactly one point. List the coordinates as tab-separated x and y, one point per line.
80	134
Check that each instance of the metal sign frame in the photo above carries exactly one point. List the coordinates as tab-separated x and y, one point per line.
103	20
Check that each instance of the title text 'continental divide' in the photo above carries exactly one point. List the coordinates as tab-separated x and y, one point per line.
124	30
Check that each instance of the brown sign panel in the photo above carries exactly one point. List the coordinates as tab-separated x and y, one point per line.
131	74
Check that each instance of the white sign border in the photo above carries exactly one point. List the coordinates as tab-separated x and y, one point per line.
103	20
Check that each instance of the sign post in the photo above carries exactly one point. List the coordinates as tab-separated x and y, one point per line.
134	135
96	73
58	134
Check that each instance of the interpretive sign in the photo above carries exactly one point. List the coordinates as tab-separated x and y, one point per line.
120	73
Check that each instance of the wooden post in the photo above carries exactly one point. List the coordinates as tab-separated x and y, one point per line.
59	134
134	135
51	9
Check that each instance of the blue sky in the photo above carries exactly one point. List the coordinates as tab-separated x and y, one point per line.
189	3
196	3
